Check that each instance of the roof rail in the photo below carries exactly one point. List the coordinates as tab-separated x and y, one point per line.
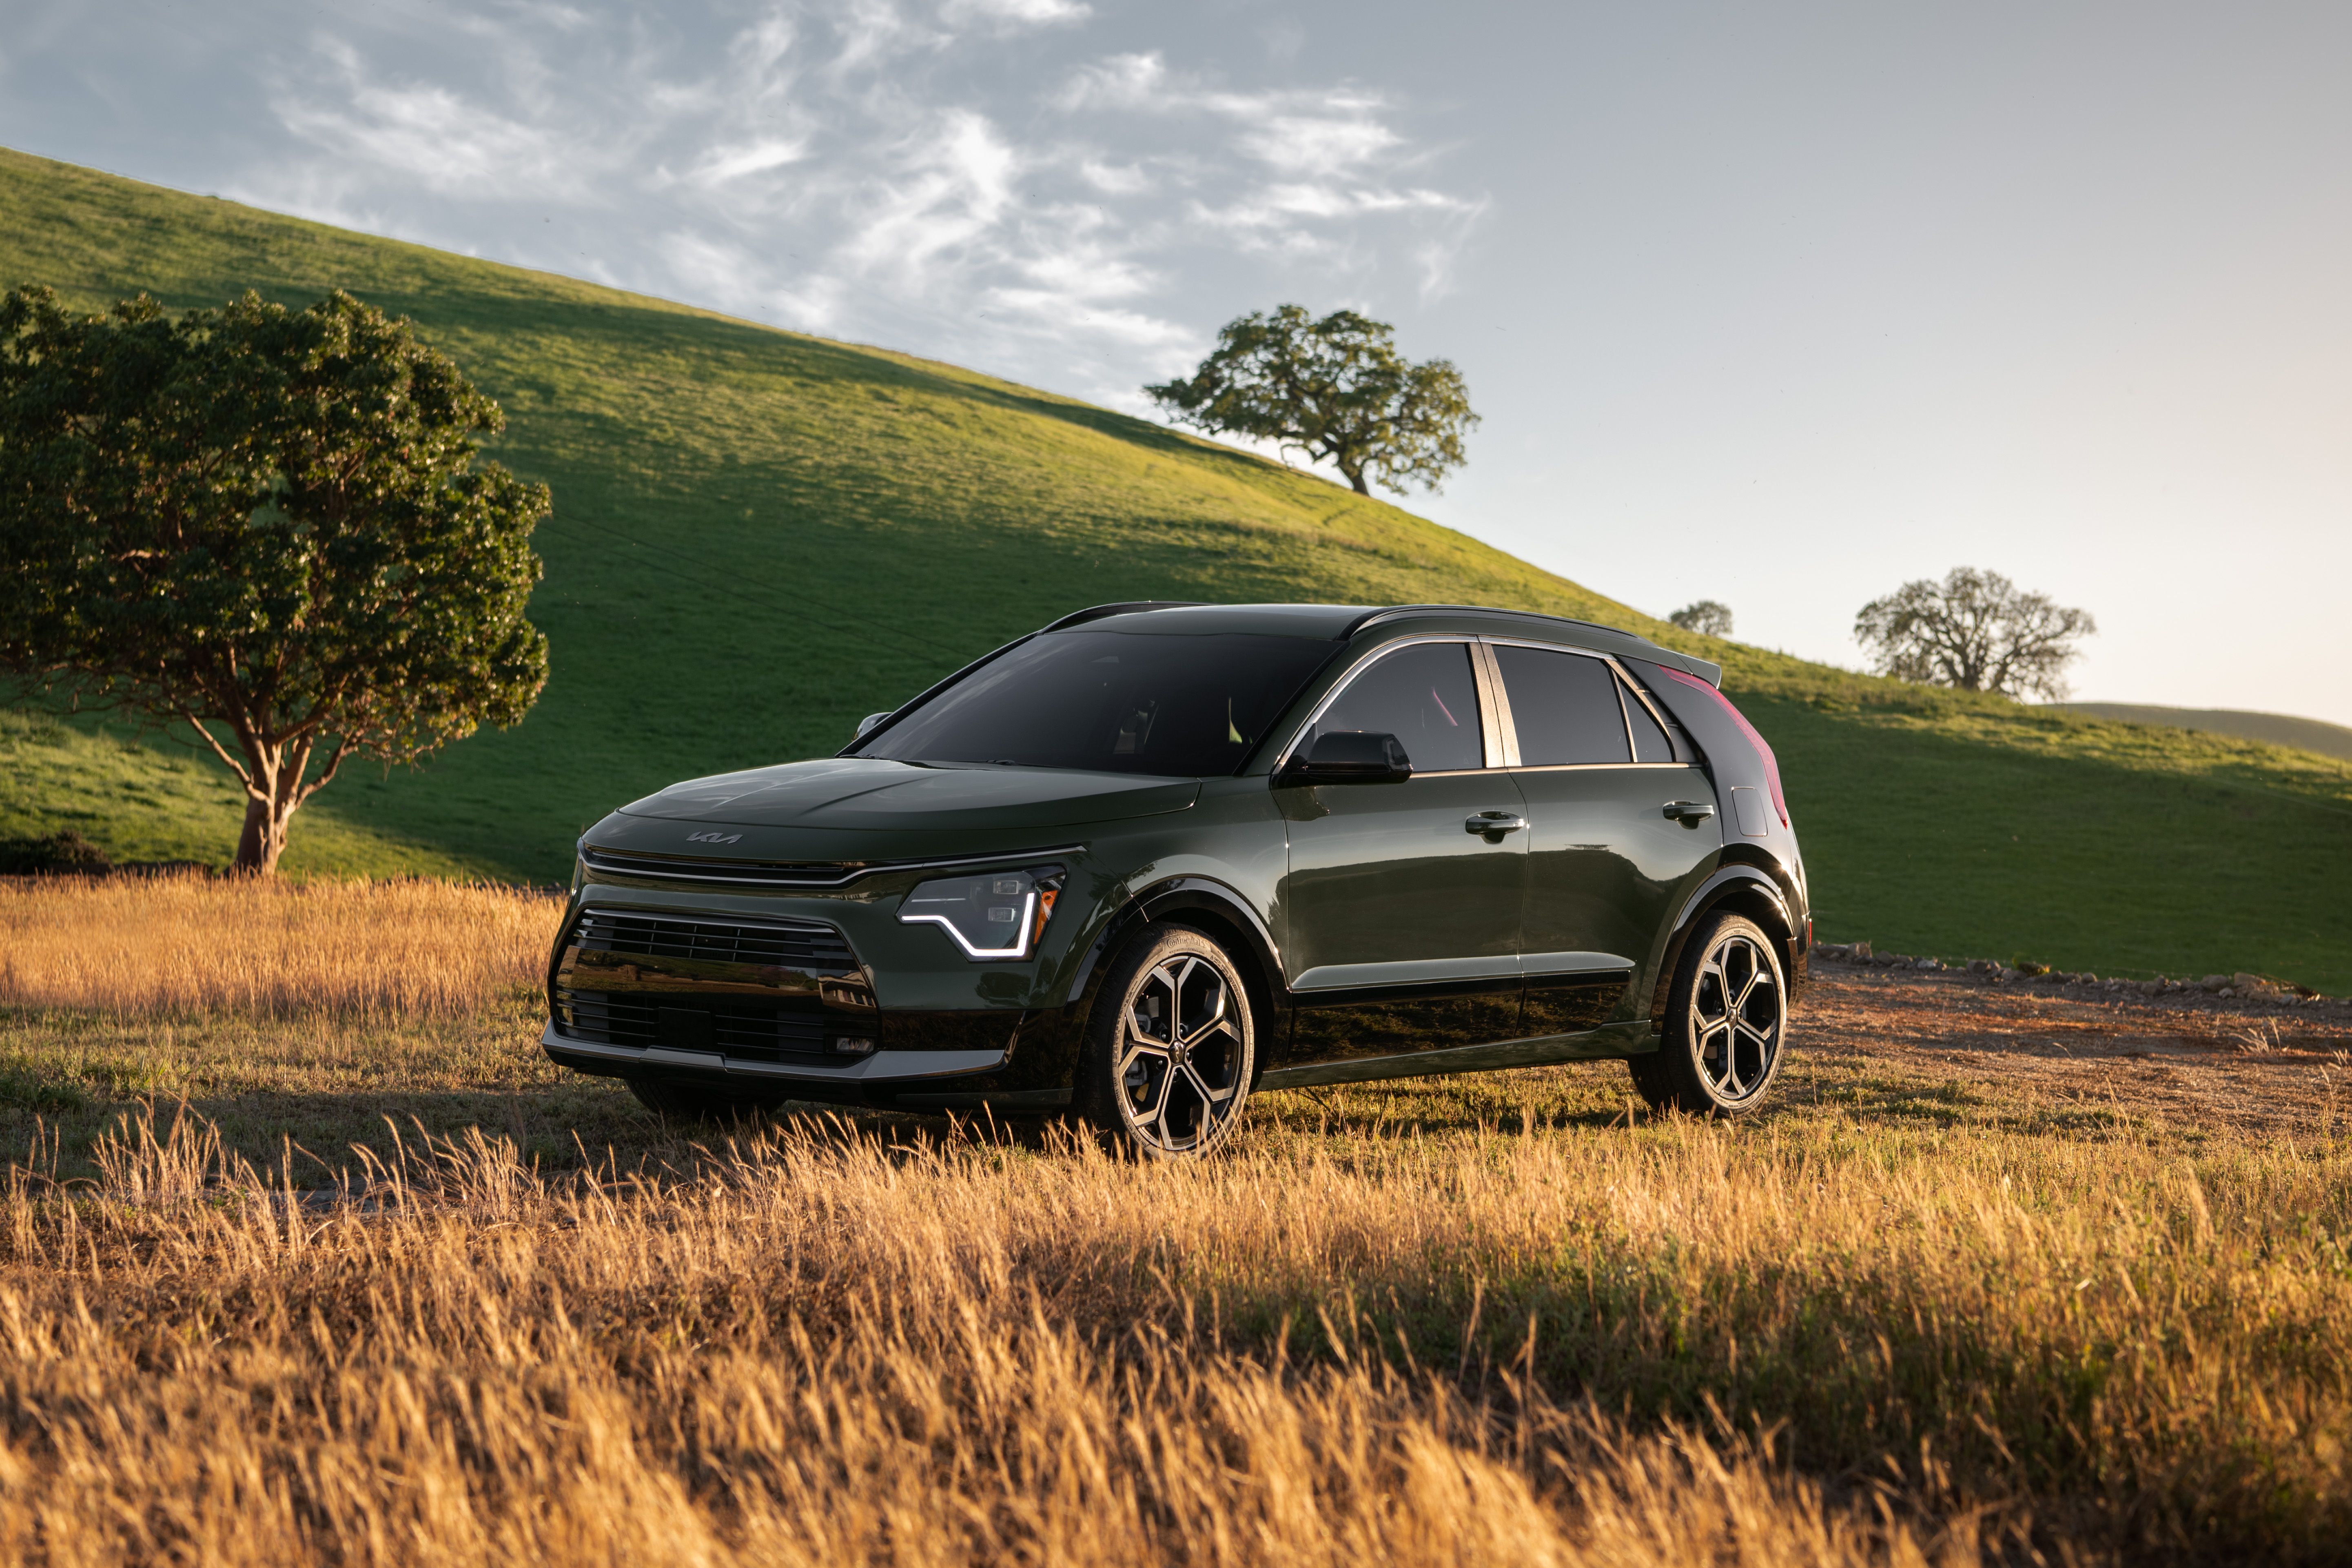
1099	611
1368	617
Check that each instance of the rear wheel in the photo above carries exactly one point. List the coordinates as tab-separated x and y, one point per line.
675	1101
1726	1020
1171	1046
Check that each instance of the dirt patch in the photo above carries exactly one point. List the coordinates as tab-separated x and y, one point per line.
2277	1069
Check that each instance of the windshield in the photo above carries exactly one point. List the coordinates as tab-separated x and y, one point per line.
1122	702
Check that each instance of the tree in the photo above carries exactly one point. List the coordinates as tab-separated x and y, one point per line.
1974	631
265	523
1335	389
1708	618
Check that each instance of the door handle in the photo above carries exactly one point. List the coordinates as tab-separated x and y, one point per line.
1495	824
1689	813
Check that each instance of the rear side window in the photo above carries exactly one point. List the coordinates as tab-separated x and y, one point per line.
1425	696
1564	707
1650	741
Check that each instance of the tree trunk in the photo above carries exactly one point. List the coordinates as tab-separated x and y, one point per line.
273	790
274	786
263	839
1355	473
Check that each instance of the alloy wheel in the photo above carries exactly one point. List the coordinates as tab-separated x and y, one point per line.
1738	1014
1181	1059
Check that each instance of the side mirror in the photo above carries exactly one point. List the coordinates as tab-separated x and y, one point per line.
1349	756
868	722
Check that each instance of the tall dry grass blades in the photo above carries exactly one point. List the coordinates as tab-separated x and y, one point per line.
815	1351
1529	1348
185	945
1811	1340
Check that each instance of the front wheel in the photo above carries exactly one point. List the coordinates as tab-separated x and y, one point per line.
1726	1020
1171	1046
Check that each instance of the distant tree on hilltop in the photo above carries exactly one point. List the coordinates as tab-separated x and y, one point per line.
1708	618
268	524
1335	389
1974	631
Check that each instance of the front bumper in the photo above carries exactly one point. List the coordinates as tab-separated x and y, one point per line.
892	1067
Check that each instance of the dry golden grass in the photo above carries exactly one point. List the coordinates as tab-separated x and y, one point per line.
1678	1344
818	1350
187	945
1903	1319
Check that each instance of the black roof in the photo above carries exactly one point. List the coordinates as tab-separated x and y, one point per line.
1339	623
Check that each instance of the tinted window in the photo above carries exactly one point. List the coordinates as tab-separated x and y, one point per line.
1564	707
1650	743
1113	703
1425	696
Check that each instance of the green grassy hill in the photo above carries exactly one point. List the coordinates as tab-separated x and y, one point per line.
759	536
2272	729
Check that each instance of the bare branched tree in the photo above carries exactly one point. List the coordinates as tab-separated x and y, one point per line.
1975	631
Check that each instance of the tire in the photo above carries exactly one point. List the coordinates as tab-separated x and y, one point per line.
1726	1024
1169	1048
1650	1079
674	1101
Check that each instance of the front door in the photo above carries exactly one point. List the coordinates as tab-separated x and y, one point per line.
1400	918
1606	864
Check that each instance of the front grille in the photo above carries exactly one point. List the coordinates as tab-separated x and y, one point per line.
782	873
753	873
797	944
782	1034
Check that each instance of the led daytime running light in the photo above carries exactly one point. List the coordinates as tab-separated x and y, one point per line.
972	910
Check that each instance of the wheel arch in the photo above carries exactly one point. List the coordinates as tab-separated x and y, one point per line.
1213	908
1742	888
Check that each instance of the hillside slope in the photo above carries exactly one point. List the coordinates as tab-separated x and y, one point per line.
759	536
2315	736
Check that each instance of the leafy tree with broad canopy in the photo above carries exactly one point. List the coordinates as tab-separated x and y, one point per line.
1974	631
1336	389
1709	617
268	524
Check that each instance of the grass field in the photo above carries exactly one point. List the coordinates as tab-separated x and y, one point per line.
1913	1315
759	536
2275	729
144	798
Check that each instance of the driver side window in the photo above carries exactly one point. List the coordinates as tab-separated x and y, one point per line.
1425	696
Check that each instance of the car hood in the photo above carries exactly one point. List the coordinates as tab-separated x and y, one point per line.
870	793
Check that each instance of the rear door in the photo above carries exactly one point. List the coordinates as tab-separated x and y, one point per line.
1607	864
1400	924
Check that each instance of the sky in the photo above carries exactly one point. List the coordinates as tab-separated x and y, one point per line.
1781	305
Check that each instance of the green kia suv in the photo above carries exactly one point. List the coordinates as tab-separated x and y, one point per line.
1155	856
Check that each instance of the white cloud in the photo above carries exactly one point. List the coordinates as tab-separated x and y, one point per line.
1310	143
1019	13
741	282
1331	152
1118	81
434	136
951	188
896	171
723	163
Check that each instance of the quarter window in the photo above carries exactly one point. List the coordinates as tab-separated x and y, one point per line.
1564	707
1651	743
1425	696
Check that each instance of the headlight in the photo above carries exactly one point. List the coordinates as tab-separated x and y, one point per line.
997	915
